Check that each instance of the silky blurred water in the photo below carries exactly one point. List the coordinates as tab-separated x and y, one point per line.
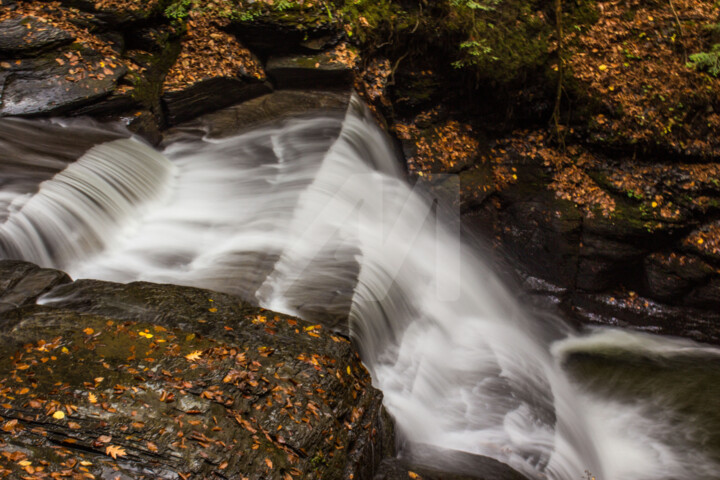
313	216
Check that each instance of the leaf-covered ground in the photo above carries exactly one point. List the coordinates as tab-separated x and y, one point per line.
173	382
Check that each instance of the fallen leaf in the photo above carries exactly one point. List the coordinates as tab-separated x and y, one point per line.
114	451
59	415
194	355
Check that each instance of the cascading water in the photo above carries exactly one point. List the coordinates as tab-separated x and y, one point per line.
313	217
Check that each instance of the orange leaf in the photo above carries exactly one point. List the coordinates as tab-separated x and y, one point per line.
268	462
194	355
114	451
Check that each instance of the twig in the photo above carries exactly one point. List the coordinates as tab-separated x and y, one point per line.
682	34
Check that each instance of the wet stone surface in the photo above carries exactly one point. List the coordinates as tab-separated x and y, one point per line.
156	381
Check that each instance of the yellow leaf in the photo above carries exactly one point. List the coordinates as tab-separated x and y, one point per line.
64	350
24	463
700	241
59	415
92	397
602	68
194	355
114	451
413	475
348	370
212	310
85	463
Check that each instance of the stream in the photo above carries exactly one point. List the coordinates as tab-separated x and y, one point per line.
313	216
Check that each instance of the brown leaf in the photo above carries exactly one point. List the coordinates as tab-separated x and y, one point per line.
114	451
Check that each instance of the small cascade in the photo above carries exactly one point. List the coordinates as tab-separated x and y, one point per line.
84	208
313	216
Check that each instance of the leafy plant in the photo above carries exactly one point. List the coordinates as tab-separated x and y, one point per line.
706	61
178	10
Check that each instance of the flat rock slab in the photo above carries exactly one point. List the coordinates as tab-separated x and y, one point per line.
163	382
266	109
210	95
467	467
309	71
23	35
42	86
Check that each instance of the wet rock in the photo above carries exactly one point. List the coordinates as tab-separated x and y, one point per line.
458	466
629	310
24	283
669	276
158	381
210	95
44	86
21	36
267	108
309	71
109	106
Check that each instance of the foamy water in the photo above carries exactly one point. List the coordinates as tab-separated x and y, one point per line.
312	216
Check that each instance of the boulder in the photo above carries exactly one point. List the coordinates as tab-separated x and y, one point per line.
51	84
209	95
323	70
164	382
277	35
20	36
272	107
449	466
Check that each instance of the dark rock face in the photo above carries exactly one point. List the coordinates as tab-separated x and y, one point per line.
42	86
158	381
274	36
24	35
267	108
472	467
210	95
308	71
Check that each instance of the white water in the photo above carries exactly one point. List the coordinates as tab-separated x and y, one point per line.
313	217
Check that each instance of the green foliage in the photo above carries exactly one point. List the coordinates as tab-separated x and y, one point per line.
179	10
707	61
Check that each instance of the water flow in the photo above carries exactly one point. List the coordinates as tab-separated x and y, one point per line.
313	217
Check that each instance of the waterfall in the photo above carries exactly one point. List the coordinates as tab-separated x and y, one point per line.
313	216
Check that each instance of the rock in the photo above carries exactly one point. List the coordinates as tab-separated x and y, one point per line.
157	381
450	466
670	276
21	36
109	106
267	108
43	86
24	283
632	311
209	95
323	70
273	36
